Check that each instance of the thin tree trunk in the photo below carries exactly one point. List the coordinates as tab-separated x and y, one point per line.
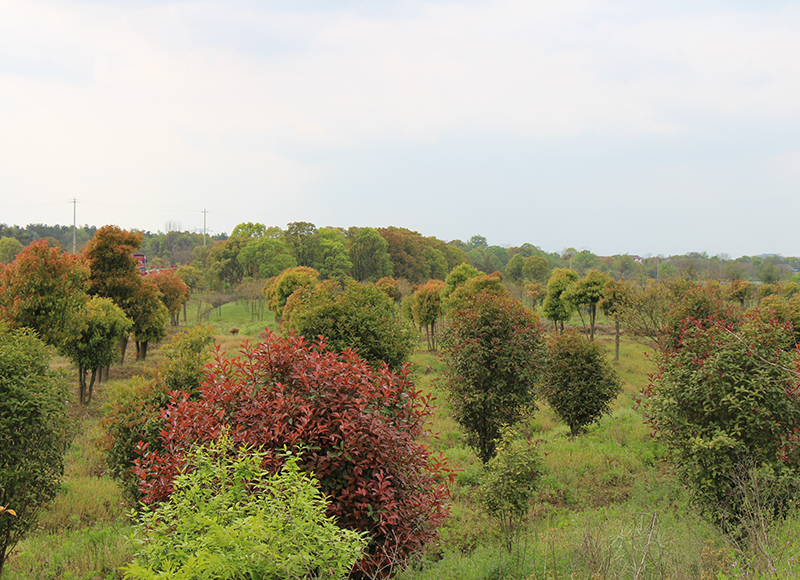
616	341
123	346
91	387
81	385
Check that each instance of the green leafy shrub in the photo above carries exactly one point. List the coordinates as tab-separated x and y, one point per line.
493	352
726	402
509	482
578	382
34	432
230	519
354	316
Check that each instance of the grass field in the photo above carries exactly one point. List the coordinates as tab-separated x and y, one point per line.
607	505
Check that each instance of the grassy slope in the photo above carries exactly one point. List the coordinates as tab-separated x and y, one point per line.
607	506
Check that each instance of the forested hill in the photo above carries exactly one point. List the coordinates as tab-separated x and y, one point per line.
254	250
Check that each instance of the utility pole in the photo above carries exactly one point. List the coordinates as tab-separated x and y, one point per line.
74	214
205	211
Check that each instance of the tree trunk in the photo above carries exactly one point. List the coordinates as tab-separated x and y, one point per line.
141	352
616	341
91	387
81	385
592	317
123	346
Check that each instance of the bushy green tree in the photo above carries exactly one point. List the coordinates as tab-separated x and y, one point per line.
265	257
354	316
483	283
34	432
726	400
278	290
557	308
493	353
96	331
588	292
369	253
149	316
426	308
577	382
228	518
331	258
9	248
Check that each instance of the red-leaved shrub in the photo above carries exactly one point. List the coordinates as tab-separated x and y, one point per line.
356	427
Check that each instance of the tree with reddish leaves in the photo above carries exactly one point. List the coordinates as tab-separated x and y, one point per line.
356	427
43	289
173	291
113	270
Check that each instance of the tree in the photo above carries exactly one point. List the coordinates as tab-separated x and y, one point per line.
149	317
556	308
588	291
493	353
726	402
97	328
265	257
172	292
359	427
615	296
457	277
426	308
43	289
113	271
514	268
489	283
9	248
223	261
390	287
277	291
34	432
302	240
578	383
351	316
645	308
536	268
250	230
369	253
331	259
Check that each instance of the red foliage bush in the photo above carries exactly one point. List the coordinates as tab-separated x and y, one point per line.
356	426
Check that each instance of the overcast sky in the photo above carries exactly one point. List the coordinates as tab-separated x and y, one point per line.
658	127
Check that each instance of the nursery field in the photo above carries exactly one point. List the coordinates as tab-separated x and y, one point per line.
607	504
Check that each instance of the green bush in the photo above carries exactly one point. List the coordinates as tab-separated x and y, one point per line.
726	402
34	432
509	481
352	316
579	384
229	519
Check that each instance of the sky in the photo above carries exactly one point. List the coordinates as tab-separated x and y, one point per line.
649	128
